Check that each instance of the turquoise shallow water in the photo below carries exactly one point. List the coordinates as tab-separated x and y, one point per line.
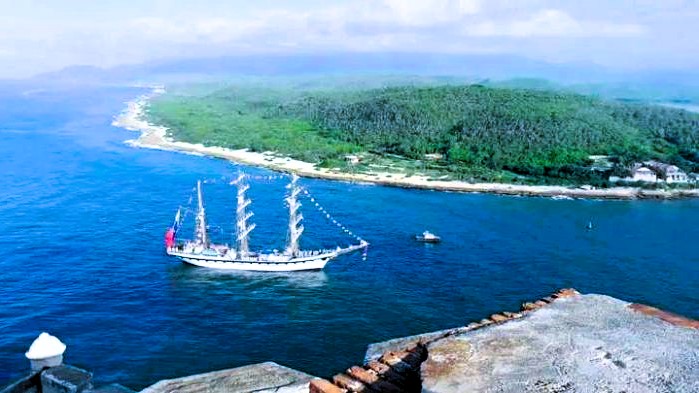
83	217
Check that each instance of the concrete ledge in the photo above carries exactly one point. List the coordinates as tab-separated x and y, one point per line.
375	350
28	384
575	343
565	342
65	379
261	377
62	378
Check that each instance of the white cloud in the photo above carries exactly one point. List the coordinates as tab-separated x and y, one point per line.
552	23
456	26
421	13
368	25
192	30
389	24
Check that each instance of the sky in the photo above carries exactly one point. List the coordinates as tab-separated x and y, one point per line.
43	35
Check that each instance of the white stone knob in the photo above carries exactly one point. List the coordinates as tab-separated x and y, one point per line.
45	351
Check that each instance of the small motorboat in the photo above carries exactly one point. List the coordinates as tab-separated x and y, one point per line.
428	237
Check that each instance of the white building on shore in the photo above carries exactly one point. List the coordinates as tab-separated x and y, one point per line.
653	172
668	173
352	159
644	174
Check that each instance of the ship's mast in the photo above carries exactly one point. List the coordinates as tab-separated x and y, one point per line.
243	229
295	217
200	230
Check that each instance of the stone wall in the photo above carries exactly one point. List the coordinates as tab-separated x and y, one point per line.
565	342
61	379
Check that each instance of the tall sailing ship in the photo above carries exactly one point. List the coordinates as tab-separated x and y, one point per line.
202	252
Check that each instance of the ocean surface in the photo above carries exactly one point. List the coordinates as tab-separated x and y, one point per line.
81	254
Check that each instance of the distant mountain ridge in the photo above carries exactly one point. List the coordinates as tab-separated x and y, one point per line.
592	79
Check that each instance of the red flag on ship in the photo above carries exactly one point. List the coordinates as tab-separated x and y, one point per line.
170	238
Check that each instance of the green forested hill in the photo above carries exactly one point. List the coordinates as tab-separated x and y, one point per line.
481	132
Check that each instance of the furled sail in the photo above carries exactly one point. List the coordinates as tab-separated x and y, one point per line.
200	235
295	229
200	251
243	229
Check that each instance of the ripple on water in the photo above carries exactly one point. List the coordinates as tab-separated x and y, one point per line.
81	236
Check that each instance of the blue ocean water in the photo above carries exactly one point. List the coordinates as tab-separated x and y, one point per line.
81	235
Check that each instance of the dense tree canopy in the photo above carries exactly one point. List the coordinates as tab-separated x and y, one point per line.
539	134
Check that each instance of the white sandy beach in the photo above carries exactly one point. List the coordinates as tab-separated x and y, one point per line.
156	137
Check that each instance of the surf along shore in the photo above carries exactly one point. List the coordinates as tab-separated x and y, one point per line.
153	136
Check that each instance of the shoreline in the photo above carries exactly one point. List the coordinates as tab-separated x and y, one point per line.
156	137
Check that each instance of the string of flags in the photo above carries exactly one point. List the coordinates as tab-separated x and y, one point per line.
256	177
181	217
268	177
232	180
331	218
187	210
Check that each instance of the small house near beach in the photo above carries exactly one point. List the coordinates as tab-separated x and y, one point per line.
653	172
669	173
352	159
644	174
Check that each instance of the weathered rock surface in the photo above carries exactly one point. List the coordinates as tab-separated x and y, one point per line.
259	378
582	343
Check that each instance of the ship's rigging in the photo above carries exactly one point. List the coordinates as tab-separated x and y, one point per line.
203	252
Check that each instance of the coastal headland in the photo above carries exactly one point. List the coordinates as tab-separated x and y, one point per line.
154	136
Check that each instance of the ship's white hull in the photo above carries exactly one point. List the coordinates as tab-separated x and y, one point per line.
200	251
315	263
